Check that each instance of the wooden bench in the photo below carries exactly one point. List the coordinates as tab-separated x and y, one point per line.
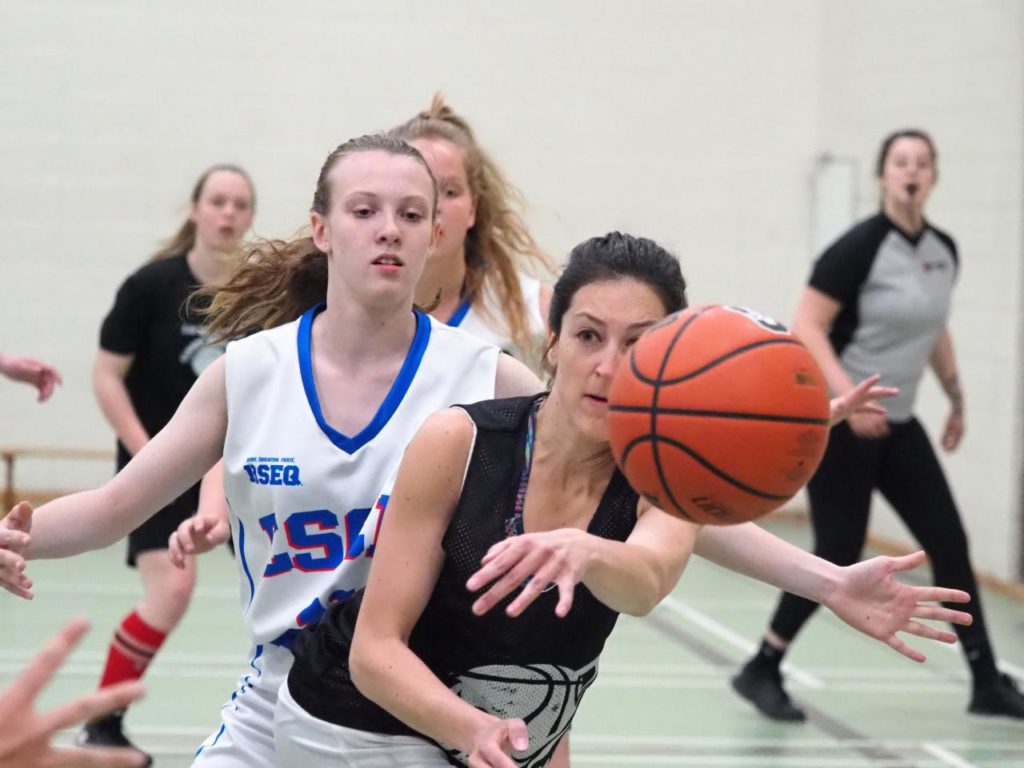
11	454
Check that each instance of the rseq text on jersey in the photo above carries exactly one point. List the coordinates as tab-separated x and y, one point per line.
264	470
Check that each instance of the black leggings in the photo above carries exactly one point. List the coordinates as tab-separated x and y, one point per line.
903	466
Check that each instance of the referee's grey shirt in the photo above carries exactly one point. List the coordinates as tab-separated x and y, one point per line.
895	291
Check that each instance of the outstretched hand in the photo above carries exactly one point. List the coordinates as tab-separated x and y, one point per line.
195	536
860	401
14	540
25	734
533	561
870	598
493	746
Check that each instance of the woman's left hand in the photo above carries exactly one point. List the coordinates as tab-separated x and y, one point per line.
870	599
860	399
538	559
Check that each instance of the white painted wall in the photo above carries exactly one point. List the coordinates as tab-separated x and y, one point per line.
696	122
956	69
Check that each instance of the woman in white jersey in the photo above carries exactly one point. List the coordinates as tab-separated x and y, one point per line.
481	277
311	416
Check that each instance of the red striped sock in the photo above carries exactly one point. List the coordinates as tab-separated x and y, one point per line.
133	648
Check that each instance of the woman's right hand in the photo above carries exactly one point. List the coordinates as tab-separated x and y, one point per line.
14	540
26	735
494	744
869	426
196	536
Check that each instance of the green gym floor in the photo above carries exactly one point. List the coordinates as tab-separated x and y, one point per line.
662	697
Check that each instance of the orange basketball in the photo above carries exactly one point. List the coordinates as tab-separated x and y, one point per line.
719	414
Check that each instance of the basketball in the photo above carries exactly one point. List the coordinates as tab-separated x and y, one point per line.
718	414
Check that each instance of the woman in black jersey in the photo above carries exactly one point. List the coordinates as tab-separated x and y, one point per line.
528	488
878	301
152	349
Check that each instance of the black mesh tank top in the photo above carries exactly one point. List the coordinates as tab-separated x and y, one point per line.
535	667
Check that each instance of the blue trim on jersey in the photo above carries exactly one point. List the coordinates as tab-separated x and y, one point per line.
245	565
216	738
259	672
460	313
391	402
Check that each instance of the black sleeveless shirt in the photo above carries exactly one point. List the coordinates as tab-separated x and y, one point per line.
535	667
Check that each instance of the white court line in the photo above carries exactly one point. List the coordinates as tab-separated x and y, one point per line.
765	742
951	759
1004	666
608	741
722	632
93	670
240	659
1011	669
738	761
715	684
124	590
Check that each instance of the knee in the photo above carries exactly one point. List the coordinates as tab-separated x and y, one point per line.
171	595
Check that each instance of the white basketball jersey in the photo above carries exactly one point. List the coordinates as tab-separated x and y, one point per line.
302	495
492	328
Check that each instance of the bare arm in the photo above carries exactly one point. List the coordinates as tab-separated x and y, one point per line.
406	564
943	361
514	379
209	527
630	577
175	459
814	316
811	324
865	595
752	551
108	373
31	371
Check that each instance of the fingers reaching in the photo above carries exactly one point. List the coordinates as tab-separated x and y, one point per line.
14	539
12	574
100	702
929	632
908	562
20	517
943	614
95	757
901	647
46	662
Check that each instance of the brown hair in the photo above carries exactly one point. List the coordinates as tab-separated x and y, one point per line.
499	242
184	239
280	279
906	133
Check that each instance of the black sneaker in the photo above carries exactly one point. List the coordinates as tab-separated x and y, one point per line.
1000	698
761	685
108	732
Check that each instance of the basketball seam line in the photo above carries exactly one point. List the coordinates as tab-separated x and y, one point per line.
655	439
654	406
709	365
718	414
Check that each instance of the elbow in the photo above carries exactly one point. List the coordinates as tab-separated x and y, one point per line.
641	608
656	587
360	667
365	664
